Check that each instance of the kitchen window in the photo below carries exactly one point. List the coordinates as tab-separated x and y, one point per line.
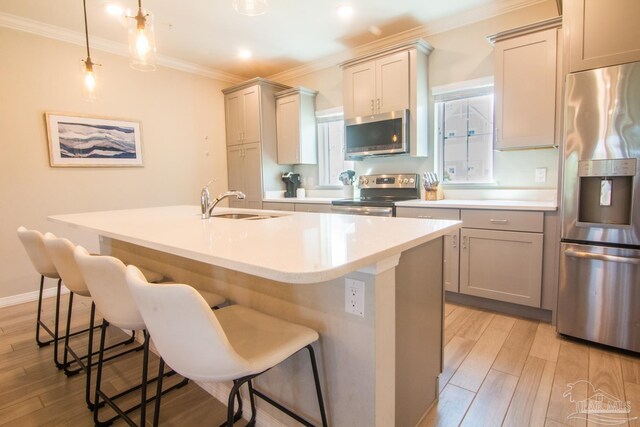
464	126
331	160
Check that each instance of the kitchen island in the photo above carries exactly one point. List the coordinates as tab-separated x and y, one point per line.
378	369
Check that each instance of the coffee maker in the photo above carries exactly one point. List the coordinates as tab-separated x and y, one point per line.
292	180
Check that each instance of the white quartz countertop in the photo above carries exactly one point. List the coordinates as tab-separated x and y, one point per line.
320	200
292	247
516	205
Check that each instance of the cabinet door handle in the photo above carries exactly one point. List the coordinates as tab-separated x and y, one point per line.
425	216
464	242
378	104
455	241
372	106
499	221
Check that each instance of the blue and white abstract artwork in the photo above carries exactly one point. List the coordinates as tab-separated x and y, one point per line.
87	141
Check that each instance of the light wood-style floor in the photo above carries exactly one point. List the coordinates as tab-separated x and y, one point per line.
499	370
505	371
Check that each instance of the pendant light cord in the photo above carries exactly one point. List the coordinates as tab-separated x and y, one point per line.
86	28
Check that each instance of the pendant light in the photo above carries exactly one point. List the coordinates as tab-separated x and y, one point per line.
251	7
90	69
142	44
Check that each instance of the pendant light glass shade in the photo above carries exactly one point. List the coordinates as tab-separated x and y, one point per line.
90	78
142	41
250	7
89	68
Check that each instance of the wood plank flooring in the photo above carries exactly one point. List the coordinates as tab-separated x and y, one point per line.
34	393
505	371
499	371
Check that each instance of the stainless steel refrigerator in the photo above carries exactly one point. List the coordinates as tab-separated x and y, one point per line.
599	293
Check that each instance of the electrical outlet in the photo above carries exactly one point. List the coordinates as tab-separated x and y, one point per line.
541	175
354	297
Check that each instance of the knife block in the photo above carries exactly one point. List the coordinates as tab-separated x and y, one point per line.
434	194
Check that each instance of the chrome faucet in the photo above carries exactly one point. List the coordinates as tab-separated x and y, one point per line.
205	199
207	212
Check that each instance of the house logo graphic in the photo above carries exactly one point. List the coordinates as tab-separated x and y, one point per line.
599	406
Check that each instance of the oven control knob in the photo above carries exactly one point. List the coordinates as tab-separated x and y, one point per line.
412	181
366	181
405	181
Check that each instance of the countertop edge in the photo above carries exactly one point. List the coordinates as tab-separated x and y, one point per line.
265	272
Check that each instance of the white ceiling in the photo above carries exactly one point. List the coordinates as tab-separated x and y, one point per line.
209	33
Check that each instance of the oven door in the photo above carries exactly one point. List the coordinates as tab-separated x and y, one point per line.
599	295
363	210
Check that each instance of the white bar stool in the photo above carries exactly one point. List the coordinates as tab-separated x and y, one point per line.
105	278
33	242
233	343
60	251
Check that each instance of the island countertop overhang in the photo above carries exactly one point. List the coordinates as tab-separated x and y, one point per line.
295	248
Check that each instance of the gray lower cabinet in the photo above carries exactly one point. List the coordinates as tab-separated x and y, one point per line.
244	169
501	265
298	207
451	244
278	206
313	207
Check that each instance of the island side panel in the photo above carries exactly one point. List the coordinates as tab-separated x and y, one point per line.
419	320
346	352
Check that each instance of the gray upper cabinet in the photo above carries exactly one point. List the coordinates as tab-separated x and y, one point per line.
243	116
526	76
377	86
296	126
391	79
602	33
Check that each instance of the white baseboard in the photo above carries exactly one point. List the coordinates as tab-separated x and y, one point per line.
30	296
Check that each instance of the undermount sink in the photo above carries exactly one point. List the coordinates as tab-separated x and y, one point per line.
242	216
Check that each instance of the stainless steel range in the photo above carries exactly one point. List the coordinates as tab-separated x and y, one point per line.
599	295
379	194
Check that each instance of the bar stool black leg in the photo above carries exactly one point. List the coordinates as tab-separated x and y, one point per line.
56	328
316	378
145	368
103	334
87	396
252	421
156	412
38	316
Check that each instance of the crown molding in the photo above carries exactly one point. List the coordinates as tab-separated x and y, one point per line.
423	31
68	36
547	24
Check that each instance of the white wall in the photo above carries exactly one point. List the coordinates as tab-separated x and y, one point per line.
459	54
182	118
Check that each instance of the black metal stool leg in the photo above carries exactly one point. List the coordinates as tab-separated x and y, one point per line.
56	328
156	412
316	378
87	396
38	316
145	368
252	400
103	334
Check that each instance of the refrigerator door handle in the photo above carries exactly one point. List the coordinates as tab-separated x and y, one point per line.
601	257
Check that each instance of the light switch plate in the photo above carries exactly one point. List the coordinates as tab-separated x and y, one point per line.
354	297
541	175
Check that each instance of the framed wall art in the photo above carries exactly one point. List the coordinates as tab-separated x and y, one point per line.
84	141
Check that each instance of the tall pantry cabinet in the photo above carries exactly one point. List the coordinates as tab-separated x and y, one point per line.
250	119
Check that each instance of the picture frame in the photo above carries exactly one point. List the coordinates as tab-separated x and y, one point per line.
77	140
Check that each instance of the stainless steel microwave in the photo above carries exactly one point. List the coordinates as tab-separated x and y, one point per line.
376	135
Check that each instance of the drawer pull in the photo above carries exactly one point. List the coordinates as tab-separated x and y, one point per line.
425	216
499	221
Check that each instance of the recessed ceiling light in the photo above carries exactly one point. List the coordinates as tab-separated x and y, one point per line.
244	54
114	9
344	11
